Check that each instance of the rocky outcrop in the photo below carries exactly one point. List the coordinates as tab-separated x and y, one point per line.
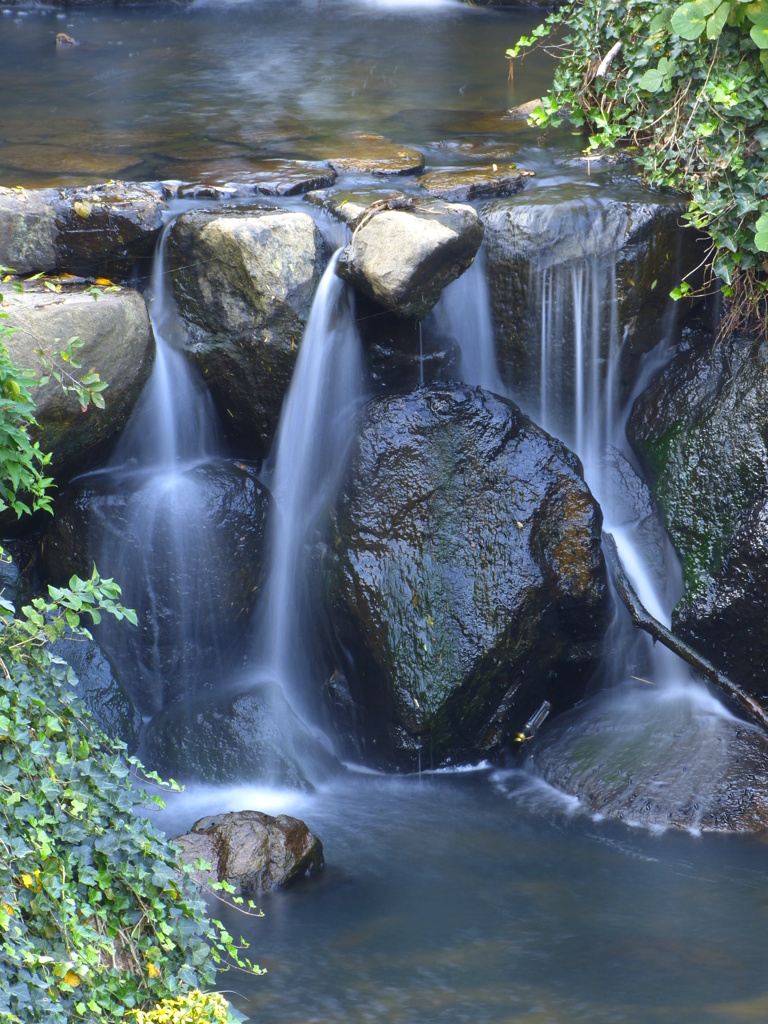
487	182
244	281
193	589
402	258
252	736
252	851
701	430
467	581
600	265
669	758
98	229
117	344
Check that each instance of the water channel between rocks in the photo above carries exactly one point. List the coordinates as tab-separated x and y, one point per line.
477	895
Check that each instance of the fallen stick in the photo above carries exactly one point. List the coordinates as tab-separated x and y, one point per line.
643	619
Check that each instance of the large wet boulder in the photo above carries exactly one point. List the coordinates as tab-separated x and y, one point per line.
669	757
251	735
189	553
584	270
251	850
100	690
244	282
403	257
467	579
97	229
701	430
117	343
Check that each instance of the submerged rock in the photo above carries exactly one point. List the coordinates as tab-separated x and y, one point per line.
117	344
91	230
252	851
603	267
249	736
403	258
701	430
487	182
189	554
670	758
244	282
373	154
467	580
265	178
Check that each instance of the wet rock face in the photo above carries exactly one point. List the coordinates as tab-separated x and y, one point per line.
701	430
118	344
244	283
251	850
467	580
193	602
251	736
403	258
101	692
581	252
98	229
659	758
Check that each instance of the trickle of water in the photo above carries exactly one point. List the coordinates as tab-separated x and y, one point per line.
317	427
464	312
174	425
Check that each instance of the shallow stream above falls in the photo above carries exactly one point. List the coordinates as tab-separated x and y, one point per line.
483	896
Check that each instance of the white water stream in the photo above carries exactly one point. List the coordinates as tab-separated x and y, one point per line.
317	427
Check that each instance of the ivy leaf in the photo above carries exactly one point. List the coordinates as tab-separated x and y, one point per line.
716	23
759	32
690	19
761	233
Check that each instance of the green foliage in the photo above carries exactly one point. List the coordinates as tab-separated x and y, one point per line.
688	87
97	915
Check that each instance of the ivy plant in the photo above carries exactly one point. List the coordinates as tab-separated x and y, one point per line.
685	85
98	917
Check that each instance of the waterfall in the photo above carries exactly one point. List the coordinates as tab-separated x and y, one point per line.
151	529
317	428
463	311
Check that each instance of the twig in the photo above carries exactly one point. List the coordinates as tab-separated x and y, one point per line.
607	60
643	619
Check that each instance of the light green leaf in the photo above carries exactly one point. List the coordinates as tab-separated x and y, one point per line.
759	33
716	23
690	19
651	80
761	233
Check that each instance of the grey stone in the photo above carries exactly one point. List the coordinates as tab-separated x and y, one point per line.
117	343
251	850
403	258
244	282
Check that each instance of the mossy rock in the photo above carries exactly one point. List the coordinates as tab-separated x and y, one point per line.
467	579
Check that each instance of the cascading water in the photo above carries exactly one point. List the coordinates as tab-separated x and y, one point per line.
464	312
152	526
317	428
657	722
